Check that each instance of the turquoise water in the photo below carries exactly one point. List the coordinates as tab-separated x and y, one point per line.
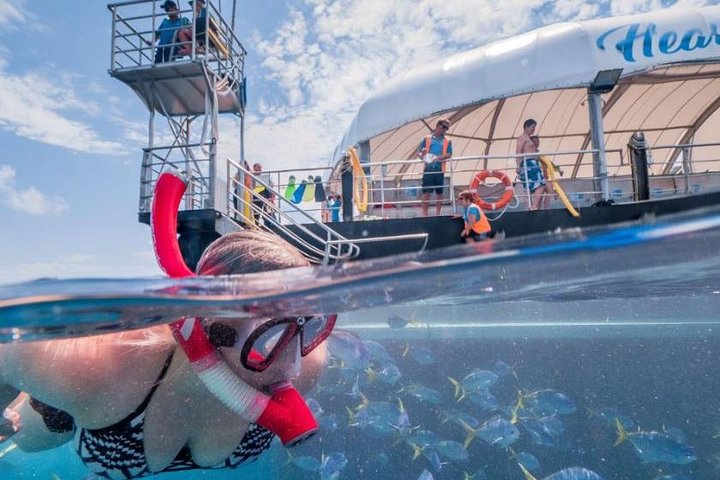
533	351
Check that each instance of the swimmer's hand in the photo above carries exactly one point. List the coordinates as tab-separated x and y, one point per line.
10	424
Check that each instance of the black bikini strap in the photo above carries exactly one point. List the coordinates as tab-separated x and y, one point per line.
148	397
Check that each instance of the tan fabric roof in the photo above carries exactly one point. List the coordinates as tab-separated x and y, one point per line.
671	105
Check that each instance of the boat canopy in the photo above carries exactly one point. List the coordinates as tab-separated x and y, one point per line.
669	89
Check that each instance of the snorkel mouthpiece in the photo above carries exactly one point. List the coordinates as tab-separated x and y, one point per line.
288	416
285	413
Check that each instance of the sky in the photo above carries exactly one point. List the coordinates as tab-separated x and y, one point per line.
72	136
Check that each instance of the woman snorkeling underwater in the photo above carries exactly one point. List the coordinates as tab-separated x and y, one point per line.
137	403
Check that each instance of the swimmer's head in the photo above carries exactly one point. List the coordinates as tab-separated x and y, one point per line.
251	252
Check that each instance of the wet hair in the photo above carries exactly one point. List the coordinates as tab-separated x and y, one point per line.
528	123
466	195
249	251
534	138
246	251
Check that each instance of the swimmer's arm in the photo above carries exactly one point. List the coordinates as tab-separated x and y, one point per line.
80	375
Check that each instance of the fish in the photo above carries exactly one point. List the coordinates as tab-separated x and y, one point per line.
314	407
451	450
432	456
423	356
607	416
389	375
549	402
396	321
423	393
377	353
423	438
485	400
476	381
539	434
527	460
656	447
331	465
349	349
425	475
497	431
479	475
504	370
328	422
572	473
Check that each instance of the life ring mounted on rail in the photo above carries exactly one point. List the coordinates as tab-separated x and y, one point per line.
507	195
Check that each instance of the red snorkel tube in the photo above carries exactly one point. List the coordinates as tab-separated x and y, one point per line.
285	413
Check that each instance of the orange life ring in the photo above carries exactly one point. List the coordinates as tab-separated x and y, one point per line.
507	194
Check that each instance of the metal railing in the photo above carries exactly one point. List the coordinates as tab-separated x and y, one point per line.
134	27
249	207
192	160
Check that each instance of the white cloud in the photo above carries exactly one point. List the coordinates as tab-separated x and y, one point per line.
39	107
11	13
32	106
30	200
327	57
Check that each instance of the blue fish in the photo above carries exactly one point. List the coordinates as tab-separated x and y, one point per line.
656	447
423	438
423	356
485	400
331	466
549	402
328	422
396	321
572	473
421	392
504	370
377	353
425	475
389	375
607	416
451	450
527	460
349	349
539	434
476	381
497	431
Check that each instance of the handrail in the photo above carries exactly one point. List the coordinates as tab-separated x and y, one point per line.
310	250
389	238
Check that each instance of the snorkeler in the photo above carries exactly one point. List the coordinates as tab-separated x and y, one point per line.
138	403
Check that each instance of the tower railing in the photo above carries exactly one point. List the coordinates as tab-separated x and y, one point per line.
135	22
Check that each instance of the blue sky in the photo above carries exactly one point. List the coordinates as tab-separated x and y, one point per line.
71	136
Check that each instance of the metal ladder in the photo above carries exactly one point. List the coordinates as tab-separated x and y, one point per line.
249	209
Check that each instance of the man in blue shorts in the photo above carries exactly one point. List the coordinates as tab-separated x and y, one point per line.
435	150
529	171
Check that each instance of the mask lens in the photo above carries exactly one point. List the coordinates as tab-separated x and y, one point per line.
269	340
315	330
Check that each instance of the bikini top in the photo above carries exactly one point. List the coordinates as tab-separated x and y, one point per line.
117	451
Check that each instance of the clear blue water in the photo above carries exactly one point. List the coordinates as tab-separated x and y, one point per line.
579	329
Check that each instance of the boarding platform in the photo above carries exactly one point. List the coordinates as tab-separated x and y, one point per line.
208	78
